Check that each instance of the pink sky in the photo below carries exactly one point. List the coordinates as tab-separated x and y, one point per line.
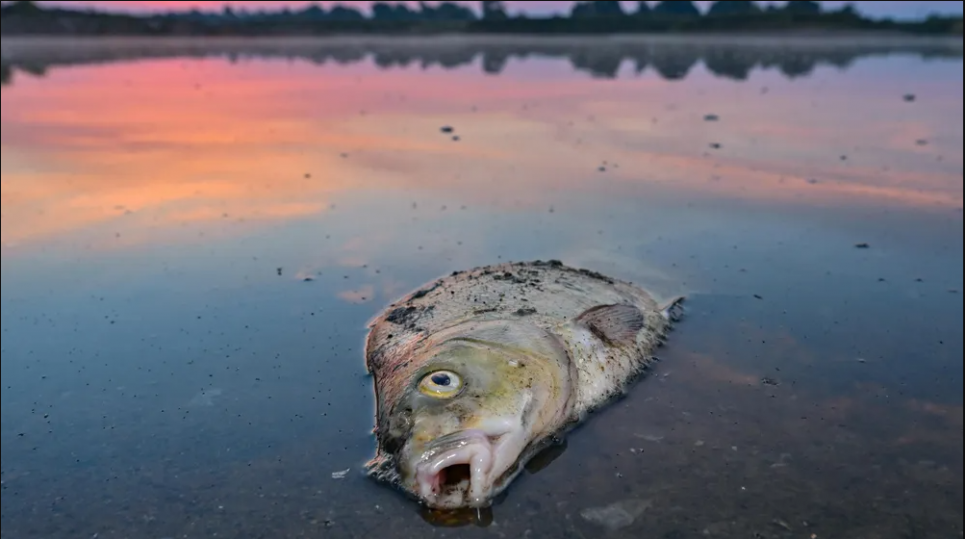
876	8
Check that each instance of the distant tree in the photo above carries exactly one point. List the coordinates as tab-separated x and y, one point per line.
848	11
583	10
609	9
22	8
494	11
450	11
733	8
345	14
382	11
803	7
314	12
674	8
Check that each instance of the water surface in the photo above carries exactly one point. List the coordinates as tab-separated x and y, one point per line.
195	233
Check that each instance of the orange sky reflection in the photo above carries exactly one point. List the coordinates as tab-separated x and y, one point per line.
177	141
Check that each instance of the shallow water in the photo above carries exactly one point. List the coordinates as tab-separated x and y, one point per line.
194	235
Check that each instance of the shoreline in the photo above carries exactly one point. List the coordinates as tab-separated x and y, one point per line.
819	39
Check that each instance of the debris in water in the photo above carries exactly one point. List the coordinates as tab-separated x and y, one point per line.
712	118
280	271
206	397
341	475
651	438
812	181
447	130
716	146
455	138
770	382
617	516
862	246
910	98
781	524
921	142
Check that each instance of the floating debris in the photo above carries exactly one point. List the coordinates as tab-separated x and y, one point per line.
448	130
781	524
910	98
340	475
862	246
617	516
770	382
206	397
712	118
716	146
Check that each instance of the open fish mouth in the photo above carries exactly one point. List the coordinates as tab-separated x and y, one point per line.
456	470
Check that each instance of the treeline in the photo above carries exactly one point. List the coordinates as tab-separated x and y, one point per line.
597	17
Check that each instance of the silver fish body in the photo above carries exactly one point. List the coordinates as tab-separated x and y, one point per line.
475	373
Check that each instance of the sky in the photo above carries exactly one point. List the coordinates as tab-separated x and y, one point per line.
898	9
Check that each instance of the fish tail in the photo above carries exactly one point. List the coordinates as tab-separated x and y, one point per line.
673	310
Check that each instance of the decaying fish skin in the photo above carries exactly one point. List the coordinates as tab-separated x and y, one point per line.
478	371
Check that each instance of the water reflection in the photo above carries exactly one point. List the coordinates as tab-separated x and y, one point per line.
192	244
671	59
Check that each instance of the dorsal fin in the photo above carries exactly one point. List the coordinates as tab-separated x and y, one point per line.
613	324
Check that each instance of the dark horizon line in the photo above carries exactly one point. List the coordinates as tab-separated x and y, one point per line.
228	12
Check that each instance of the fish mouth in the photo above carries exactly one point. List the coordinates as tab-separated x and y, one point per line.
456	471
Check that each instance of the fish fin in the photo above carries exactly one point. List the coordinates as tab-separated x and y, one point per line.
613	324
673	310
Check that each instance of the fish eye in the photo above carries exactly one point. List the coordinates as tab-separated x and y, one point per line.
441	384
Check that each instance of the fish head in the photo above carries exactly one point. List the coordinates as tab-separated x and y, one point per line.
472	413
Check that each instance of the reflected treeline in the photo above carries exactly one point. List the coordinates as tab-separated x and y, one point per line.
671	59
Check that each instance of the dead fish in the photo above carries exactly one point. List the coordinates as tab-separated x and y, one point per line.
477	372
